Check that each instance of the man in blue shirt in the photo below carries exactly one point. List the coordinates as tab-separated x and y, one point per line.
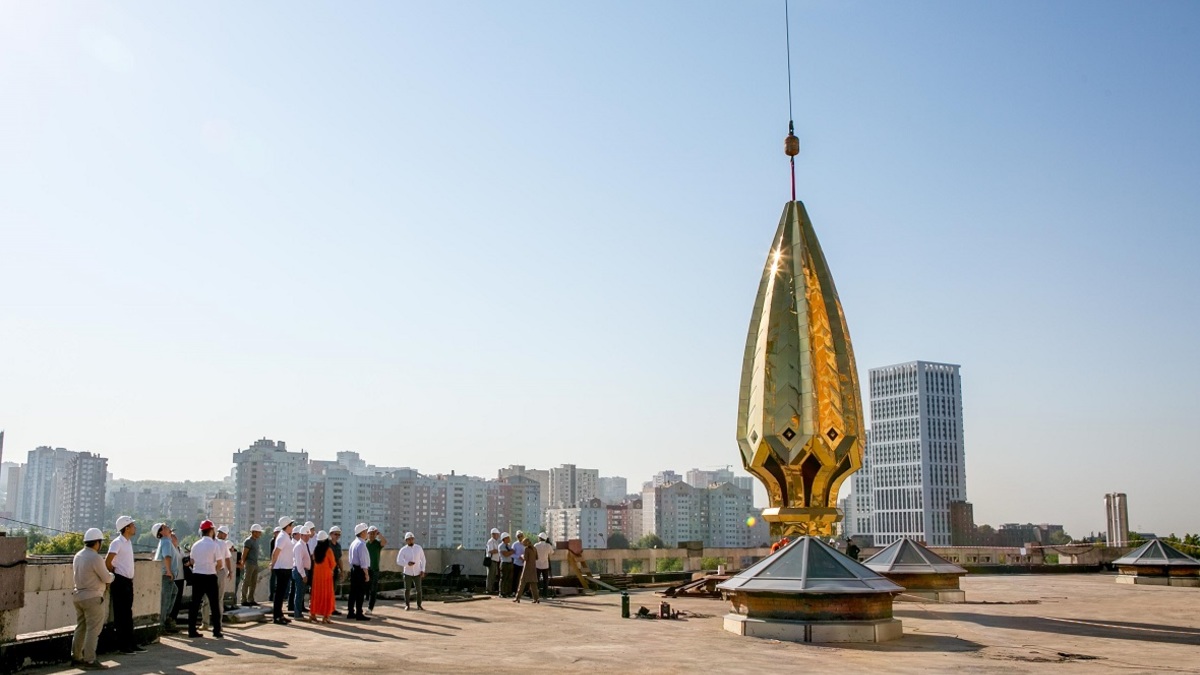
518	560
172	569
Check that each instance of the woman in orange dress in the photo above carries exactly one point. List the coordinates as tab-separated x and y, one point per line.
321	604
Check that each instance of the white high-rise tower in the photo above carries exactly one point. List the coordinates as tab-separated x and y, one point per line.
917	465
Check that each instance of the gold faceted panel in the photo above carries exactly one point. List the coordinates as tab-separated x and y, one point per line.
799	412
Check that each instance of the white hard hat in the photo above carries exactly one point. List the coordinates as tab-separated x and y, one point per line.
256	528
124	522
303	530
409	535
276	531
93	534
310	525
322	535
372	529
224	529
360	528
495	531
284	521
154	529
519	533
506	536
335	530
542	535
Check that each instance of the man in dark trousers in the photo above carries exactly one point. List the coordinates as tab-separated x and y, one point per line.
120	562
852	549
281	568
376	542
360	573
208	561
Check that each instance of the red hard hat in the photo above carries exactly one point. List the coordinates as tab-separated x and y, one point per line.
206	525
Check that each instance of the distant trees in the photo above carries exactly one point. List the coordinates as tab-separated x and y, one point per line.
669	565
67	543
618	540
1059	538
1189	544
650	541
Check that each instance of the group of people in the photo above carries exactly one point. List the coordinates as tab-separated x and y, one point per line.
306	561
304	564
517	568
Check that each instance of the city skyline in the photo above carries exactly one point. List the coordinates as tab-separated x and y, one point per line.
173	503
466	236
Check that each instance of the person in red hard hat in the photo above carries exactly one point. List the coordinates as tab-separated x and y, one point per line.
780	544
208	561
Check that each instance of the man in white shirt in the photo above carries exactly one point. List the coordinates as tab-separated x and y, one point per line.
492	551
360	573
301	565
544	549
312	548
208	562
411	560
281	567
312	537
120	562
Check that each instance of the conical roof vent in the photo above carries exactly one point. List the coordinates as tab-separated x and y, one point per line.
1157	553
808	565
906	556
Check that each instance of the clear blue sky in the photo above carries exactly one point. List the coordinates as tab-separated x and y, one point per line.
463	235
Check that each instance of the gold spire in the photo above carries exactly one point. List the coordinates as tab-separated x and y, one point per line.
800	428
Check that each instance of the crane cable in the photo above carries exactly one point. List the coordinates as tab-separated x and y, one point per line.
791	145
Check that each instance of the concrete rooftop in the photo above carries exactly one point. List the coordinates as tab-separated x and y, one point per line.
1050	623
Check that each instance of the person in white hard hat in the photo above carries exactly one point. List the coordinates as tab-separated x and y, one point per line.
312	535
120	563
506	564
172	568
301	571
375	545
360	573
281	568
92	578
491	551
226	582
544	550
322	579
180	578
411	561
291	599
249	566
312	547
335	547
270	555
528	579
518	558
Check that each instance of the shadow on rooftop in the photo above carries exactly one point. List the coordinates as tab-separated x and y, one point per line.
1112	630
563	605
914	641
404	620
461	617
166	657
354	631
225	647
